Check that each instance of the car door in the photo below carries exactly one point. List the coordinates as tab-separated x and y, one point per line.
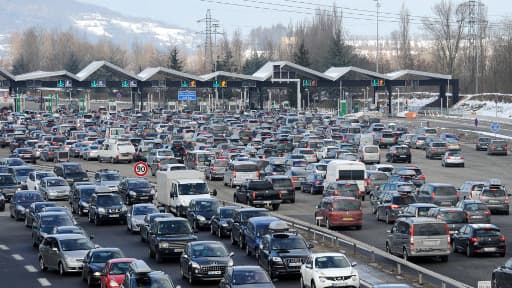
13	205
393	237
264	253
458	238
44	249
236	229
504	275
53	253
87	260
191	212
92	207
185	259
307	271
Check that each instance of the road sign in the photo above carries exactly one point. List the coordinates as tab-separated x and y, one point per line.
187	95
495	127
377	82
141	169
342	108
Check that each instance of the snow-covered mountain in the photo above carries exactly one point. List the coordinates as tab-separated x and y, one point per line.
94	21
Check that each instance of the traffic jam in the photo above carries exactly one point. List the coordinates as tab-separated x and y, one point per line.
198	189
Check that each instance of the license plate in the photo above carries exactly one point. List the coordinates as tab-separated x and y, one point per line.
114	215
214	272
492	249
446	203
295	264
431	242
267	202
348	219
494	202
145	197
477	217
178	250
318	218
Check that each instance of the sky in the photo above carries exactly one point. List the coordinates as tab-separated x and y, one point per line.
359	15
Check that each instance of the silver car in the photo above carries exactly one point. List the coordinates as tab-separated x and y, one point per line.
54	188
136	214
64	252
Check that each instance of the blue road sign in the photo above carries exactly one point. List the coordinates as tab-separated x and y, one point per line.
495	127
187	95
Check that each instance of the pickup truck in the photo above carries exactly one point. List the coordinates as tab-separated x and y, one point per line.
258	193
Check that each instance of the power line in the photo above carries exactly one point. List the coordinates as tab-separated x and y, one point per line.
210	29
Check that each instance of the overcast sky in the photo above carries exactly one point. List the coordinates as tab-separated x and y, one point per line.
359	15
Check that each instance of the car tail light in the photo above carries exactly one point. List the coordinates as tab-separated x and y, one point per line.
213	168
461	157
336	192
433	195
422	177
502	238
487	212
473	239
505	147
448	157
457	195
158	165
411	235
280	194
467	216
506	199
395	152
294	179
394	206
368	181
253	195
491	147
258	174
318	182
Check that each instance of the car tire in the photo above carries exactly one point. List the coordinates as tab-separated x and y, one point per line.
212	232
311	191
302	282
313	284
454	247
190	277
444	258
26	222
233	241
42	266
99	159
89	281
469	251
377	215
158	257
89	218
219	233
97	221
405	255
327	224
388	250
275	207
247	250
387	218
151	253
62	272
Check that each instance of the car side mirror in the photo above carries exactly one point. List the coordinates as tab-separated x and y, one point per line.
311	246
231	254
91	236
354	264
214	192
97	246
308	266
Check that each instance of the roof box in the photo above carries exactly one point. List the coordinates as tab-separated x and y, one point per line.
278	226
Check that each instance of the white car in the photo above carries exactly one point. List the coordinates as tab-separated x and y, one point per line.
325	151
136	214
452	158
329	269
34	178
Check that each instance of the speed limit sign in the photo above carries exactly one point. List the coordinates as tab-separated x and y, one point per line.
141	169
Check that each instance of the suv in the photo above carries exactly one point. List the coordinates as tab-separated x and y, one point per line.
257	227
440	194
200	212
335	211
496	198
398	153
390	204
282	252
140	275
346	188
8	185
481	239
497	147
80	198
420	177
70	171
283	185
106	207
419	236
454	217
109	178
136	190
435	149
482	143
168	237
476	211
239	223
205	260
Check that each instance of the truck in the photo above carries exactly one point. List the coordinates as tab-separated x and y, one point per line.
175	189
258	193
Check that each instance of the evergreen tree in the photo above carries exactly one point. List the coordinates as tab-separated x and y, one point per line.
339	54
301	55
174	61
253	63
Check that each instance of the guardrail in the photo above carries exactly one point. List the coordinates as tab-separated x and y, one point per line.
357	248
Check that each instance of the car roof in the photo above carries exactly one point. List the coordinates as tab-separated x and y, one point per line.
423	205
105	249
420	220
121	260
174	219
323	254
263	219
52	213
247	268
340	198
483	226
69	236
251	209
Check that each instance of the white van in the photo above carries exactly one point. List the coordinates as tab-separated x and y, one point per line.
238	172
114	151
345	170
369	154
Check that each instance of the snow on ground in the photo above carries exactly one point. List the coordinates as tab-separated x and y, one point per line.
487	108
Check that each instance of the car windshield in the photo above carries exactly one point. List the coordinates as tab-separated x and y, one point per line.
24	172
346	205
453	217
430	229
104	256
245	277
487	232
288	243
56	182
207	205
165	153
7	180
119	268
279	168
445	191
351	174
73	169
70	230
55	220
15	162
41	175
110	177
193	189
475	207
138	184
371	149
86	193
484	140
299	164
282	183
208	250
144	210
379	176
174	227
109	200
246	168
403	200
28	197
226	213
76	244
249	214
328	262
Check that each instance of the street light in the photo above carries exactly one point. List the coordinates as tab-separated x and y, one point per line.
364	99
377	2
398	99
307	90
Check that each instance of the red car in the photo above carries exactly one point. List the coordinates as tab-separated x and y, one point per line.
114	272
339	211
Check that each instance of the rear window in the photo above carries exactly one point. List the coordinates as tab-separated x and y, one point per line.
246	168
438	144
453	217
371	149
379	176
282	183
487	232
388	135
445	191
351	174
494	193
430	131
499	143
260	185
402	149
404	200
475	207
430	229
307	152
484	140
346	205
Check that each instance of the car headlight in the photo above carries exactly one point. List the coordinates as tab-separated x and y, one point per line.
195	265
84	204
200	218
354	278
102	210
230	263
113	283
132	193
124	209
322	279
97	273
277	259
21	208
224	224
163	245
152	191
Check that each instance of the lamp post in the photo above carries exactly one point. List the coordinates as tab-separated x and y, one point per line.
398	99
377	2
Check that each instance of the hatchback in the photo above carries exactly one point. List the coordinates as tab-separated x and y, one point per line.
452	158
479	239
399	153
496	198
482	143
476	211
497	147
440	194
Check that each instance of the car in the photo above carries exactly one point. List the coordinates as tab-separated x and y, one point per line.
369	154
21	201
200	212
347	188
48	153
313	184
238	223
417	210
221	221
390	204
145	229
81	198
205	260
420	178
278	239
399	153
64	252
244	276
8	185
54	188
136	190
496	198
482	143
338	211
476	211
283	185
215	169
141	275
502	276
90	152
25	154
95	261
471	189
71	171
156	156
35	177
374	179
169	237
109	178
35	208
328	269
45	222
441	194
435	149
257	193
454	217
452	158
386	168
497	147
106	206
256	228
137	213
479	239
2	202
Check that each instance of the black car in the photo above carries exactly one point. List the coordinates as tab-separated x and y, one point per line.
283	185
479	239
95	261
398	153
136	190
169	237
502	276
107	207
8	185
314	184
222	221
205	260
145	229
25	154
239	223
80	198
246	276
140	275
21	201
482	143
200	212
33	209
282	252
2	202
391	204
258	193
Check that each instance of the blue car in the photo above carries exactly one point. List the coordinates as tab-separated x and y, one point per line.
257	227
314	184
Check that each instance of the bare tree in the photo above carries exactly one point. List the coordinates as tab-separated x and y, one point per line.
405	57
237	47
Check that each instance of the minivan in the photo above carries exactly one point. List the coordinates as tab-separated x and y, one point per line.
336	211
369	154
440	194
238	172
72	172
419	236
198	159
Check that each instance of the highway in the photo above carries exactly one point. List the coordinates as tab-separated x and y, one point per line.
479	166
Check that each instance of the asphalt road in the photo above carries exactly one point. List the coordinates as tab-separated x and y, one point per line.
479	166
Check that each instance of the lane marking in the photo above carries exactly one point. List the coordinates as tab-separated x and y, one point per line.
30	268
44	282
17	257
3	247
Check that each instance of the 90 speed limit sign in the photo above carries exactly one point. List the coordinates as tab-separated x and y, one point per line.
141	169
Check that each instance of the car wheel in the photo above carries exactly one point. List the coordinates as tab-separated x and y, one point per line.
26	222
99	159
212	232
275	207
219	233
233	241
388	250
151	253
241	244
494	282
190	277
89	281
247	250
89	218
235	199
158	257
42	266
405	255
469	251
388	221
311	191
96	221
61	269
377	215
313	284
231	184
302	282
444	258
327	224
454	247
